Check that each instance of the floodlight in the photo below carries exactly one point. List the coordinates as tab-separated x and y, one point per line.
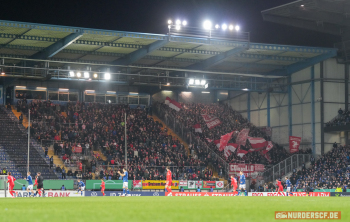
2	73
191	82
177	27
168	84
245	89
237	27
224	27
170	22
95	75
107	76
217	26
169	26
86	75
207	24
71	74
302	5
184	23
178	22
197	82
203	82
206	86
231	27
78	74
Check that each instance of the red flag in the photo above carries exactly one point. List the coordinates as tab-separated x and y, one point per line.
267	156
230	148
211	121
209	140
175	105
167	100
257	143
294	143
217	143
241	153
197	128
268	148
242	137
224	140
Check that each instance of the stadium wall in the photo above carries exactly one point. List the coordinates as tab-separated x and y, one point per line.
304	101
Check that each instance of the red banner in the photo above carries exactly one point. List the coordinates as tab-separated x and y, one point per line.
211	121
197	128
242	137
209	184
224	140
199	194
294	143
77	149
246	168
295	194
230	148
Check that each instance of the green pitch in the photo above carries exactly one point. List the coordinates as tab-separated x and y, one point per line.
164	209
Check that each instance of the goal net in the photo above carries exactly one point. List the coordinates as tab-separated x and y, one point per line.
3	185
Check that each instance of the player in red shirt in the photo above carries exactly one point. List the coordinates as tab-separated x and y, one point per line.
234	185
103	186
280	187
168	180
11	182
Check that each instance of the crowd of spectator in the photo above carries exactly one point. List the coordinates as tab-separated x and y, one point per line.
329	172
101	127
342	119
190	114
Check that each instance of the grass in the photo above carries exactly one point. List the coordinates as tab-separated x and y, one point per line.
164	209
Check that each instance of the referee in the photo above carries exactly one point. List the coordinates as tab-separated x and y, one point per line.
40	181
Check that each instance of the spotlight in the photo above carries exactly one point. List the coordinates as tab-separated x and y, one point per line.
224	27
184	23
71	74
170	22
231	27
2	73
302	5
191	82
178	22
169	26
217	26
95	75
237	27
197	82
86	75
168	84
206	86
203	82
245	89
207	24
177	27
107	76
78	74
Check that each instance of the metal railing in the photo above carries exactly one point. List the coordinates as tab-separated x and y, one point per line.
286	166
187	135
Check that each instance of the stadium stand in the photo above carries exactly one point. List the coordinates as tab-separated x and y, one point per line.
98	130
14	142
190	115
328	172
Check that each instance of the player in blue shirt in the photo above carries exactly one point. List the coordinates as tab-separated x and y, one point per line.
125	175
30	184
81	186
242	184
289	184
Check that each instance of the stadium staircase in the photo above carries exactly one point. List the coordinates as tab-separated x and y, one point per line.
13	139
57	161
64	114
103	157
9	165
17	114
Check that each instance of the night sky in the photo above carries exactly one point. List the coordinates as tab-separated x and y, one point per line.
151	16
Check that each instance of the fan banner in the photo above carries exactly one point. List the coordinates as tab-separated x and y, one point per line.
198	194
241	153
294	143
242	137
224	140
246	168
269	146
137	184
257	143
209	184
219	184
211	121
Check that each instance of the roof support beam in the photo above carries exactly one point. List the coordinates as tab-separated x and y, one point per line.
57	46
303	65
216	59
140	53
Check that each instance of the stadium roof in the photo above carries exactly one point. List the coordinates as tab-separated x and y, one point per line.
142	52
